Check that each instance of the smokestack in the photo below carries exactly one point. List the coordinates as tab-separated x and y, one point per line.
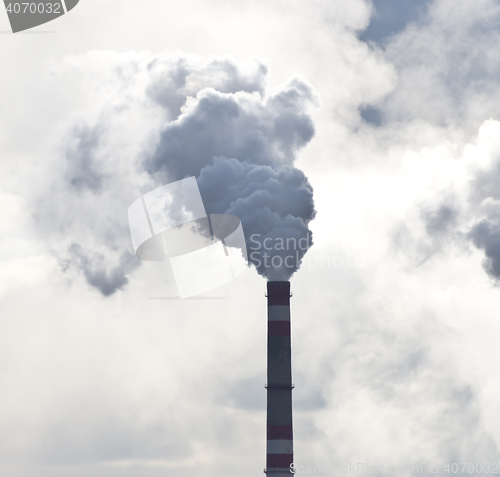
279	381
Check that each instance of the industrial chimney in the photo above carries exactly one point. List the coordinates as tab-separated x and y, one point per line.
279	381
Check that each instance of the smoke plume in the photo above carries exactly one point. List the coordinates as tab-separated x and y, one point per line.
155	119
241	148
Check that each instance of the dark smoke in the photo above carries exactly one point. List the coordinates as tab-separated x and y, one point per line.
241	149
163	118
438	222
272	203
486	236
107	279
484	201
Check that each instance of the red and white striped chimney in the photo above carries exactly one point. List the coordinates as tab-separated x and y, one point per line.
279	381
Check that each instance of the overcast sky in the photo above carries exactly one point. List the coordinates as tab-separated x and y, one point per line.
387	110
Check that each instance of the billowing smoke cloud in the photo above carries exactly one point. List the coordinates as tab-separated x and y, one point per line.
440	220
105	278
486	236
485	200
457	95
274	204
157	119
80	216
241	148
465	209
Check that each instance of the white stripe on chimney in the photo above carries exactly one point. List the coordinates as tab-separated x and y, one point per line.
279	446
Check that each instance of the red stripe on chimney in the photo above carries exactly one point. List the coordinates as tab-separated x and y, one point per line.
279	461
278	300
279	432
278	328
